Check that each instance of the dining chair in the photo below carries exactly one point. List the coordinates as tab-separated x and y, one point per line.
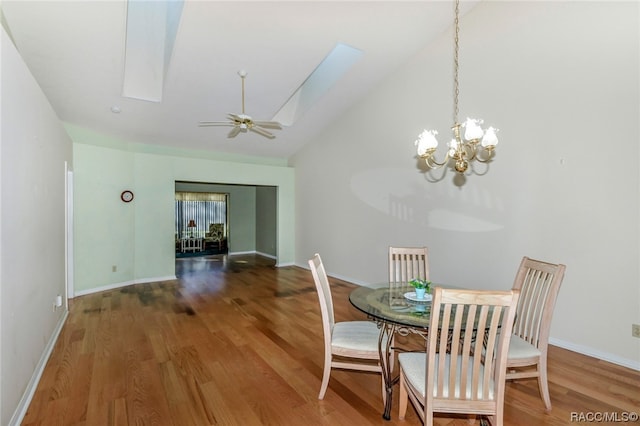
539	283
407	263
463	368
349	345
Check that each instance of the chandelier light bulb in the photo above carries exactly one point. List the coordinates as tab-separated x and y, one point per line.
490	139
426	141
472	129
453	146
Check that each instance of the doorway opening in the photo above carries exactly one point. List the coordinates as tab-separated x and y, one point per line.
201	223
251	218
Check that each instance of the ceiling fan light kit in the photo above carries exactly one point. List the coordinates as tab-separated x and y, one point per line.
243	122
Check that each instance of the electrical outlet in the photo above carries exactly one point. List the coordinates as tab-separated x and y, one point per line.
57	302
635	330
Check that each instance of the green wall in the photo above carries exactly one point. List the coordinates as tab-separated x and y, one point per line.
266	219
120	243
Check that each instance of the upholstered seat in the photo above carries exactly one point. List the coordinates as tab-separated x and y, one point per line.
355	337
519	349
354	342
215	234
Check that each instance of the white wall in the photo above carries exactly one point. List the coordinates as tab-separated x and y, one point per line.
560	79
33	149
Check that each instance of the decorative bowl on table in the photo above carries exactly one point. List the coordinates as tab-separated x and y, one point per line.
413	296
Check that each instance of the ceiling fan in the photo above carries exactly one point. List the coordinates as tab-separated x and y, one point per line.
243	122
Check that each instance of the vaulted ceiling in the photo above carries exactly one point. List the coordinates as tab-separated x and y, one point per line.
76	51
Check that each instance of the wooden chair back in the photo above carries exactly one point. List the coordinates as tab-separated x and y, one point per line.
539	284
407	263
467	348
325	299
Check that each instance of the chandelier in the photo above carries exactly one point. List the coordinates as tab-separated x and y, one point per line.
474	144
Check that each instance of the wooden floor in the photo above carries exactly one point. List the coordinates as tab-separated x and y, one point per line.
236	341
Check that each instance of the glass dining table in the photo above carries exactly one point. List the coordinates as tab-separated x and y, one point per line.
396	311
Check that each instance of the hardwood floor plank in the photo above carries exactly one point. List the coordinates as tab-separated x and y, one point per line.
237	341
118	413
227	404
79	392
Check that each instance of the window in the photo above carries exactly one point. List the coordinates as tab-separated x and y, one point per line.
199	209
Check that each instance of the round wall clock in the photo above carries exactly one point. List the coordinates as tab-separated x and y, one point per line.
126	196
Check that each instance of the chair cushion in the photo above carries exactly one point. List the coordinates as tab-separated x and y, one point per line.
414	365
216	232
520	348
356	335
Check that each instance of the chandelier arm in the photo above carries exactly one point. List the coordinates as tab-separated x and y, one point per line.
470	150
431	161
489	155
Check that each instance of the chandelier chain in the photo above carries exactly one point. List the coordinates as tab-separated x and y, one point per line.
456	88
470	142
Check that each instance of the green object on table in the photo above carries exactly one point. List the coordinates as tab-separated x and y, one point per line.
418	283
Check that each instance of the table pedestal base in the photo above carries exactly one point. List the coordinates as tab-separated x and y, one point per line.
387	358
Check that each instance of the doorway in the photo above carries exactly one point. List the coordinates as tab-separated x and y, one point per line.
201	224
251	225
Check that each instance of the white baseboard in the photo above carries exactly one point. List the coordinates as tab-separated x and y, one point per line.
270	256
238	253
155	279
278	265
123	284
339	277
594	353
23	405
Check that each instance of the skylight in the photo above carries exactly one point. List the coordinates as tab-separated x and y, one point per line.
151	32
326	74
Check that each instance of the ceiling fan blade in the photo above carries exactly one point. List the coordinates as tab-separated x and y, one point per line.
215	123
243	122
234	132
268	124
262	132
